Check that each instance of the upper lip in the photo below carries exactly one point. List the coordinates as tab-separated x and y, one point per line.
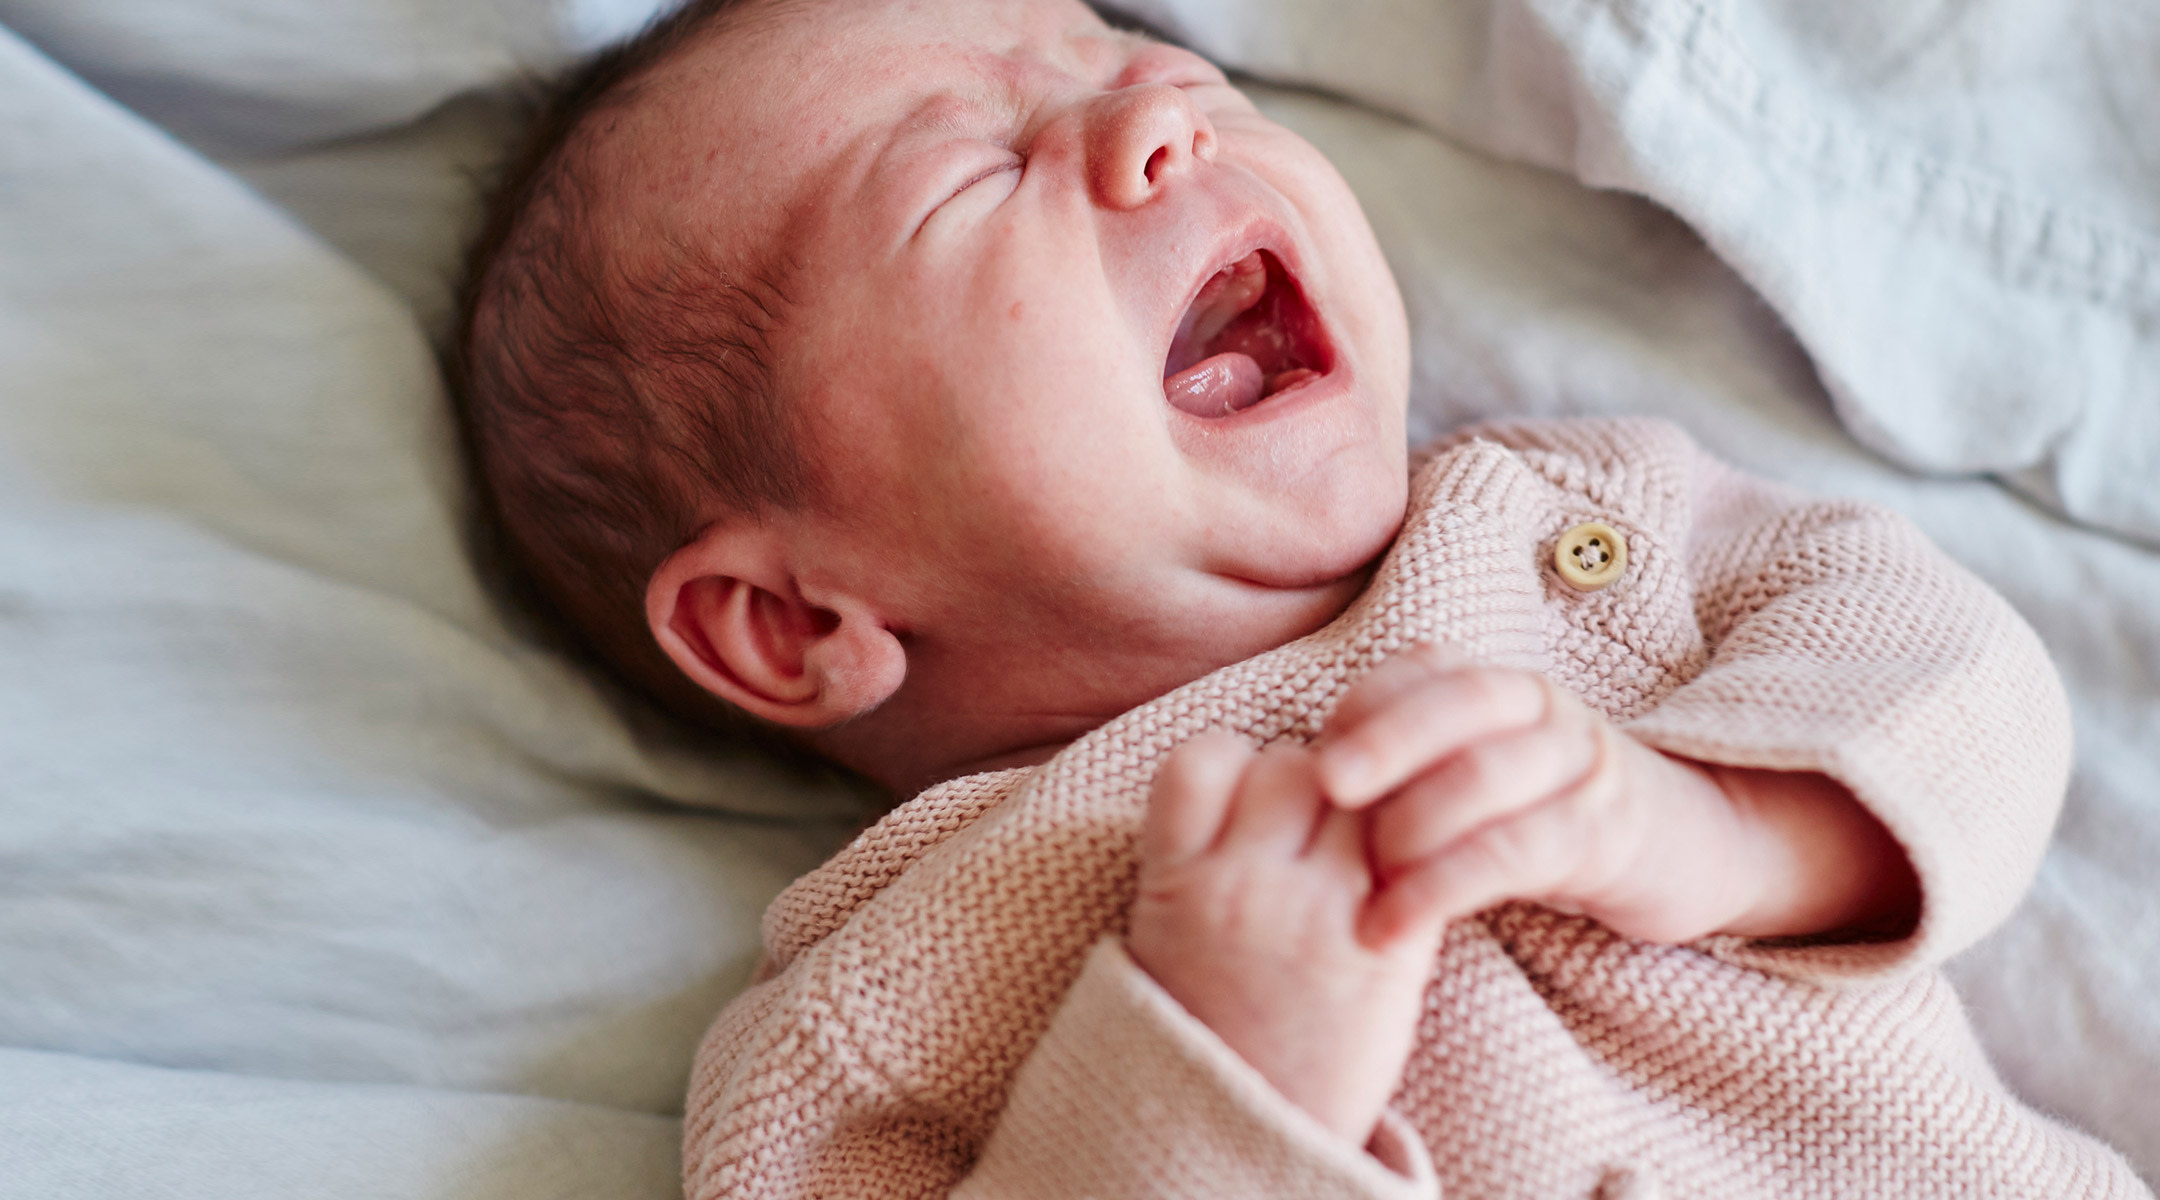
1233	244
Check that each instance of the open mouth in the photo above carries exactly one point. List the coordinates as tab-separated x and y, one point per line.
1249	336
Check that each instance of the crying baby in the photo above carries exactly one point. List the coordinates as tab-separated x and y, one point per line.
999	404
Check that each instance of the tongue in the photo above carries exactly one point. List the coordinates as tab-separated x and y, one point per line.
1216	386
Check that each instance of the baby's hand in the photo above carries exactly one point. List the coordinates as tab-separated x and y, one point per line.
1489	784
1252	890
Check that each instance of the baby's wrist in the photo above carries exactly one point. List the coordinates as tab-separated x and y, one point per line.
1820	863
1265	1041
1714	868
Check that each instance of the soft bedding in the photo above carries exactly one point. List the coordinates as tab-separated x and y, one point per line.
323	873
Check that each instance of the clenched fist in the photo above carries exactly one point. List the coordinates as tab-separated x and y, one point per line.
1293	899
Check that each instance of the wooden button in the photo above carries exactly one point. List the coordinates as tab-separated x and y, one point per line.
1590	556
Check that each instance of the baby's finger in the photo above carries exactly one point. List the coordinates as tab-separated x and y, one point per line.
1526	857
1192	795
1278	803
1339	842
1390	681
1388	746
1482	783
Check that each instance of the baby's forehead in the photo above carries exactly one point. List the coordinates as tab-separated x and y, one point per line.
801	66
789	100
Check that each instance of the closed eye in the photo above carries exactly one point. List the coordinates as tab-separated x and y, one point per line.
1013	165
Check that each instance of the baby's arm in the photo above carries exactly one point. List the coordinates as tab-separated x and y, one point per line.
1302	932
1873	752
1843	656
1490	784
1841	642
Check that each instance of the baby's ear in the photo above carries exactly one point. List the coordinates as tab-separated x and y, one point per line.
728	611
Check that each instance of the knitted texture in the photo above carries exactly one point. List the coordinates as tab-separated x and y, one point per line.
946	1006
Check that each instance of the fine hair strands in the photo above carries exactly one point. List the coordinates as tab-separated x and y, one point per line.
603	414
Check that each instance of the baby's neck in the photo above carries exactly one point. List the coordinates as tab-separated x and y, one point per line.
1025	756
885	753
944	723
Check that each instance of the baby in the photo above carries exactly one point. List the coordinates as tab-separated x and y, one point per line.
954	383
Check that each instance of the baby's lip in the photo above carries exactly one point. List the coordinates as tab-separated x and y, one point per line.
1249	334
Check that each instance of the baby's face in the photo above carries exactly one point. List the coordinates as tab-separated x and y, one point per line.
1105	369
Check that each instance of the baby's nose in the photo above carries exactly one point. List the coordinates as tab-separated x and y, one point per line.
1140	138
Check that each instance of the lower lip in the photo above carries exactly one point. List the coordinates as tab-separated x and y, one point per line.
1229	383
1304	394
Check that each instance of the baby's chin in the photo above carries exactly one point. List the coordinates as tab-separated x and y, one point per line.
1276	616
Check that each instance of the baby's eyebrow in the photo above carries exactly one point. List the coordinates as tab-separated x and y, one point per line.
989	106
997	87
1095	47
944	112
995	90
989	100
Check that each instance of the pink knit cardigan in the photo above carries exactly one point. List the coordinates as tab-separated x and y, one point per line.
946	1007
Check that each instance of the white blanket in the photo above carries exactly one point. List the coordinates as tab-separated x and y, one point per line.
320	875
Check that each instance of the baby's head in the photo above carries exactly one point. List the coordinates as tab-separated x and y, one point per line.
937	378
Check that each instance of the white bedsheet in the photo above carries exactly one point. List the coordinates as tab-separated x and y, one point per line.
318	877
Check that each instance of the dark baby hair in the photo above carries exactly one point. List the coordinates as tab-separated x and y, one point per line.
608	407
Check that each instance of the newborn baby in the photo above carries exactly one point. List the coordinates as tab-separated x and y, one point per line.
954	383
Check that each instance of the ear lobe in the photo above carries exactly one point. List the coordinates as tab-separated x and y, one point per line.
728	614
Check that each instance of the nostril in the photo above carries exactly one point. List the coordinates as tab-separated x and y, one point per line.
1155	163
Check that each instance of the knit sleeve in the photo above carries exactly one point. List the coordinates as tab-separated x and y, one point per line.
1841	641
946	1009
1127	1095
